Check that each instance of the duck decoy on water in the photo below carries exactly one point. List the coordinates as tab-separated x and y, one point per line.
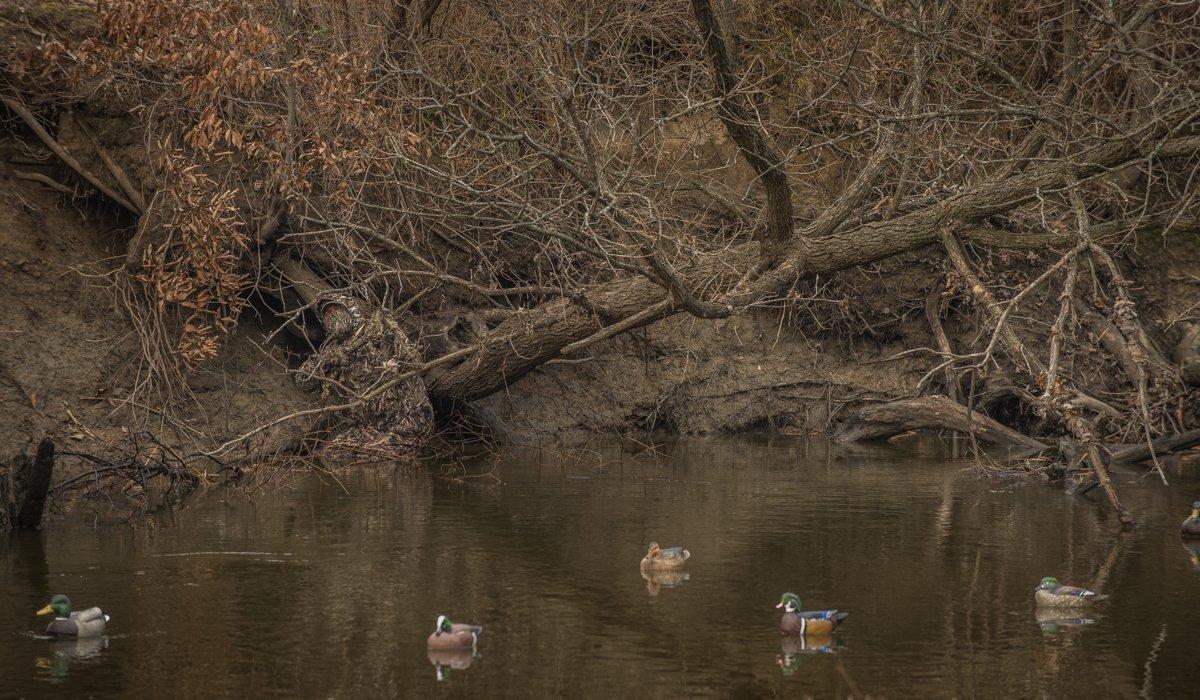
84	623
659	559
451	636
1191	527
1051	593
807	623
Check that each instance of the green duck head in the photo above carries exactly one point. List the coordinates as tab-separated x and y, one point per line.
444	626
790	602
60	605
1048	584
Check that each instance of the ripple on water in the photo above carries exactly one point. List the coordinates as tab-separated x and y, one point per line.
320	592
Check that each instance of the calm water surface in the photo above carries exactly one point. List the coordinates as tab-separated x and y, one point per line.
328	589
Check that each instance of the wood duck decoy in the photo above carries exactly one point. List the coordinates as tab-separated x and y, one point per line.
1051	593
806	623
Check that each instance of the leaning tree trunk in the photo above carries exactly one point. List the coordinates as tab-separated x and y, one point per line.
545	332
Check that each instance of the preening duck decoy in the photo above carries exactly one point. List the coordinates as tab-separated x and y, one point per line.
1191	527
84	623
658	559
806	623
448	636
1051	593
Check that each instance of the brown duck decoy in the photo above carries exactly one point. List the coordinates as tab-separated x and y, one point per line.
660	559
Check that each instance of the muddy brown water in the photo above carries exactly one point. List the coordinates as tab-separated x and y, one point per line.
328	589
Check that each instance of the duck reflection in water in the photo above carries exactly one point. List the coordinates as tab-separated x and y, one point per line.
1193	553
444	660
64	651
655	580
792	649
1052	620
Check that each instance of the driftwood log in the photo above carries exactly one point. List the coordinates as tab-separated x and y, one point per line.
1161	446
928	412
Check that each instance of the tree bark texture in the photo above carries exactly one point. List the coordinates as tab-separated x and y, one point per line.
887	420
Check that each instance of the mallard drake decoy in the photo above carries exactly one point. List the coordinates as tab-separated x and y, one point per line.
1051	593
658	558
450	636
85	623
797	622
1191	527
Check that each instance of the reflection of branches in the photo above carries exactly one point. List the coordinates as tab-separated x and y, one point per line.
1147	690
1100	580
133	467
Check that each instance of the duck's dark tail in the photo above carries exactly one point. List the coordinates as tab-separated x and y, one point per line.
840	615
477	629
1099	598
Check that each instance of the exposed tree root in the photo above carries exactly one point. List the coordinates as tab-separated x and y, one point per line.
32	122
364	349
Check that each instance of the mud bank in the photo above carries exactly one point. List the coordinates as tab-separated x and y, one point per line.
69	366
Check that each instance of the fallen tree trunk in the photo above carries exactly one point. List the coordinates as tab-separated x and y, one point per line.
886	420
531	338
1163	445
